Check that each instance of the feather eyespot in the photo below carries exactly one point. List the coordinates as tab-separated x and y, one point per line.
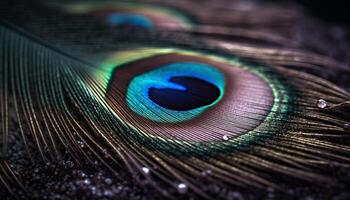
156	94
147	17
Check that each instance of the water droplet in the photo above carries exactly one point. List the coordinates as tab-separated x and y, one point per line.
108	193
108	181
81	143
105	153
347	126
93	189
206	172
321	103
87	181
145	170
225	137
81	174
182	188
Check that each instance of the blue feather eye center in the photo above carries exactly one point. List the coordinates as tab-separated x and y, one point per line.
198	93
120	19
175	92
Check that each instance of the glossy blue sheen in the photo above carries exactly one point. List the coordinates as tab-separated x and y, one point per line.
117	19
137	95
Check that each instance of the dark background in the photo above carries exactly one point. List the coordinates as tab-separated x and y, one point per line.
337	11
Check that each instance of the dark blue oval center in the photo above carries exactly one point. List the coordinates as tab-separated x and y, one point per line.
198	93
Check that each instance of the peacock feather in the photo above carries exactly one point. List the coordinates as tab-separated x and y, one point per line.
179	102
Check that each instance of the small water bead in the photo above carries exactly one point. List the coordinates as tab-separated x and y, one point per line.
105	153
81	174
225	137
81	143
93	189
108	181
145	170
321	103
108	193
87	181
347	126
182	188
206	172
